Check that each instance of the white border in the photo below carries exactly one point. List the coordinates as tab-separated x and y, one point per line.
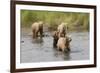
52	64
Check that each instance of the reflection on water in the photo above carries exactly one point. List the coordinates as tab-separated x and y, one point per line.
65	56
41	49
37	40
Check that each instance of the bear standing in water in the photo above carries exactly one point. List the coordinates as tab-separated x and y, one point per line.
62	29
37	28
63	43
61	39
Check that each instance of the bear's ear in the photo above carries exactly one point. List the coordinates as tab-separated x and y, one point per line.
70	39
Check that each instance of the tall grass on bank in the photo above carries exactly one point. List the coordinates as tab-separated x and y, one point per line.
75	20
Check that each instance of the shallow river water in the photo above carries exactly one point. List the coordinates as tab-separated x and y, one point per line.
41	50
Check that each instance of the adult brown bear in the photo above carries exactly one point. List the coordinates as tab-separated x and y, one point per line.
63	43
62	29
37	28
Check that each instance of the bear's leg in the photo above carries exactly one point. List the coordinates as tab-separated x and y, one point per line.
36	34
68	48
55	43
63	49
58	47
33	35
41	32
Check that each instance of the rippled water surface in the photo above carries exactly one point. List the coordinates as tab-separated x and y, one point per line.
41	50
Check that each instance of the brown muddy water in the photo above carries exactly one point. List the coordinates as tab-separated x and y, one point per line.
41	50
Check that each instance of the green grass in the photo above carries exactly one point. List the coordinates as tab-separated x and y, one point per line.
76	21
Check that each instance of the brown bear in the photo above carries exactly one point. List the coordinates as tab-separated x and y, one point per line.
62	29
63	43
37	28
